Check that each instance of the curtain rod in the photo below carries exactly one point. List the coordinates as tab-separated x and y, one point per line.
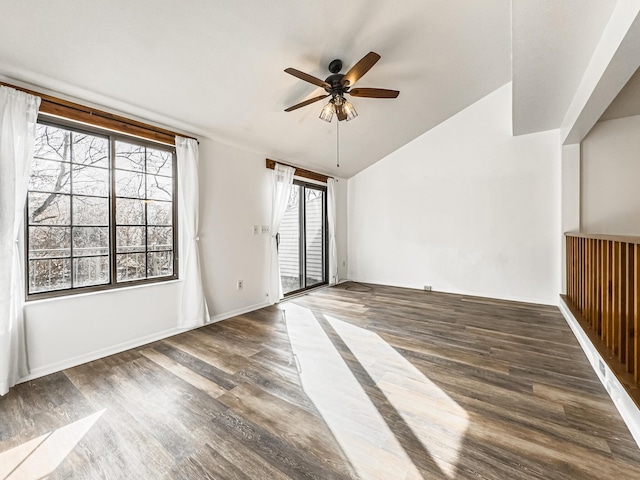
301	172
74	111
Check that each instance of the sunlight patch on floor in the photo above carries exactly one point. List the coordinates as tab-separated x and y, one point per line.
436	420
39	457
362	433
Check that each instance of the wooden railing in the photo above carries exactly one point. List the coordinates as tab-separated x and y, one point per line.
603	287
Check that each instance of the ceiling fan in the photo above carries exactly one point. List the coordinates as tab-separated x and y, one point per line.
337	85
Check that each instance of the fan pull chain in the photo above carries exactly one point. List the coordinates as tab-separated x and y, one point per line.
338	142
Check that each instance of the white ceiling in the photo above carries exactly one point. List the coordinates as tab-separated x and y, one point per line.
553	42
217	67
627	103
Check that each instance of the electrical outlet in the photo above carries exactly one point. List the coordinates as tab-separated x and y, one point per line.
256	229
265	229
427	288
240	284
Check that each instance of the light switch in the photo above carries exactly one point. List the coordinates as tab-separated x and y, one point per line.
256	229
265	229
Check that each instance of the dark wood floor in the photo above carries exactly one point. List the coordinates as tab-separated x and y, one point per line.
347	382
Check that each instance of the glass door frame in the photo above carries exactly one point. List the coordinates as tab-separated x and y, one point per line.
302	216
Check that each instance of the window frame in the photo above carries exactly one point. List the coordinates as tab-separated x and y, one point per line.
112	136
303	238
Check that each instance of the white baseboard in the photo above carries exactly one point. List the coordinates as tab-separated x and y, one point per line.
469	293
239	311
621	399
97	354
121	347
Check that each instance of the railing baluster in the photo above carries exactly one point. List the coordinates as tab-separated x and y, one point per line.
598	288
587	279
576	270
582	279
590	277
631	281
621	289
613	296
571	269
603	291
609	295
576	275
594	284
636	310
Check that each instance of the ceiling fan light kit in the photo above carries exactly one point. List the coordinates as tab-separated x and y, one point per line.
338	85
339	105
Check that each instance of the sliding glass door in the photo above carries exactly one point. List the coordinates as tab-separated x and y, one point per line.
289	245
302	250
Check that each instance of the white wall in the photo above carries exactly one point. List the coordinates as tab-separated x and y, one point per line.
67	331
610	175
466	207
342	227
570	200
235	194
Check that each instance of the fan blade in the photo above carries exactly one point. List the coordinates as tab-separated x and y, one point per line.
360	68
307	78
340	113
306	102
374	93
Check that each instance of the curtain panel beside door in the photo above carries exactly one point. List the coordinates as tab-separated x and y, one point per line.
331	224
281	181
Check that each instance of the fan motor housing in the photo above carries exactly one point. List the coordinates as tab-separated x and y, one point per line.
335	80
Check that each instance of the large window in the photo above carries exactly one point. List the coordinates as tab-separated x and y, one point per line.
100	211
302	250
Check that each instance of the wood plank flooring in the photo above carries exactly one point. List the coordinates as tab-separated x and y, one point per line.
353	381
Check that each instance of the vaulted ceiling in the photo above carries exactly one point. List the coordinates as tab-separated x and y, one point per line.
553	42
216	68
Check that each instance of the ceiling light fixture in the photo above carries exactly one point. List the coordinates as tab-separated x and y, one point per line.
338	104
345	111
349	111
327	111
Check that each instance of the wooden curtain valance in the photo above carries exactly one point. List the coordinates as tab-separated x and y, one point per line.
98	118
301	172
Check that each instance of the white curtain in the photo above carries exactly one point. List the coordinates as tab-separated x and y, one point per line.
18	116
331	220
193	310
282	180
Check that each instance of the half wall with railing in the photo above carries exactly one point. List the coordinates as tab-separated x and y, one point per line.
603	292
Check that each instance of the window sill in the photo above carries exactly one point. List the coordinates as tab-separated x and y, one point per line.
99	292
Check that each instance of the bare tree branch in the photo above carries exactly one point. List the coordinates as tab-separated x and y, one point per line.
60	182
